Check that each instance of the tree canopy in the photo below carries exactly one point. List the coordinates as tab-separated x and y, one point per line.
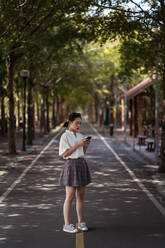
76	48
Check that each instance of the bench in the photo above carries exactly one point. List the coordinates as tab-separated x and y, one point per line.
150	145
141	140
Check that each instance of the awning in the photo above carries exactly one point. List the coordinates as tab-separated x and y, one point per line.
136	90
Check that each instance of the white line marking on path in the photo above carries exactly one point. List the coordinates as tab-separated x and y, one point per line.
18	180
131	173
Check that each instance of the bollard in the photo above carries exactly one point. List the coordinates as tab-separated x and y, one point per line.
111	129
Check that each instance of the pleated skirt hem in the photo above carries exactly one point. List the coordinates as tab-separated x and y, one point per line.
75	173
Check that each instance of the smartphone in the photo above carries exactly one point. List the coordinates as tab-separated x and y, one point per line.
88	138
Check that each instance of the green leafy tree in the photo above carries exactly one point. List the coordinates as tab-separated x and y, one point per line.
139	24
22	27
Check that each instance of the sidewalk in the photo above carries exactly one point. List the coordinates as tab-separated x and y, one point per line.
158	178
133	142
8	162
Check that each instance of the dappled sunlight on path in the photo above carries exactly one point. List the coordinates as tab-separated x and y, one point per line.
31	216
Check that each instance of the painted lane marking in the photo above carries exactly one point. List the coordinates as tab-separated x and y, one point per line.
131	173
18	180
79	238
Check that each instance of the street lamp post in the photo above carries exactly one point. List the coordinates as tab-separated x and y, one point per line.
125	112
156	111
24	74
116	102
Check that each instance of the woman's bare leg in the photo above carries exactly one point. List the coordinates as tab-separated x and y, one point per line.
80	192
70	193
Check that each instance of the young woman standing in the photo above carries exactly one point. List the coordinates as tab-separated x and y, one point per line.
75	174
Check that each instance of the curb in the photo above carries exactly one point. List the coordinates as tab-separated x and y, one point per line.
159	180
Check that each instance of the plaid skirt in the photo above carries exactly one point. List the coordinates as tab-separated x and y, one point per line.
75	173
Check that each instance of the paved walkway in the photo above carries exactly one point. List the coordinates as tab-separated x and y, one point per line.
123	207
158	178
7	160
132	142
7	163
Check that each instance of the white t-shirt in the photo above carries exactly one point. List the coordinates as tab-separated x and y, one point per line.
68	139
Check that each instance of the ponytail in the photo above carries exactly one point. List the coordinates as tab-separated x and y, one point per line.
66	124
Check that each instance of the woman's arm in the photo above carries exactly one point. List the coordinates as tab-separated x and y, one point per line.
85	147
74	148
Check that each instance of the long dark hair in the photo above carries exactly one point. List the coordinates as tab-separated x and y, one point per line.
71	118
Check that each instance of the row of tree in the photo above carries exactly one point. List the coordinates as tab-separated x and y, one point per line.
140	26
50	39
44	38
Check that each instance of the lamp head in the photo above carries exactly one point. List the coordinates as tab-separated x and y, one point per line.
24	73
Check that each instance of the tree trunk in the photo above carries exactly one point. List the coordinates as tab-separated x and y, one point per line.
30	130
96	104
112	103
111	113
94	117
47	110
37	110
65	112
58	110
162	150
136	131
18	113
11	117
43	126
2	117
90	113
131	118
61	108
53	112
111	110
122	113
140	117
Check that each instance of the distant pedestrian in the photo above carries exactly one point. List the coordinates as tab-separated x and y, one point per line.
75	174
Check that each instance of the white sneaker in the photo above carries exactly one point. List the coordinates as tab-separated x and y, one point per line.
82	226
70	228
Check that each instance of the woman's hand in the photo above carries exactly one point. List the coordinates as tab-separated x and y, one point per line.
85	146
83	142
87	143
